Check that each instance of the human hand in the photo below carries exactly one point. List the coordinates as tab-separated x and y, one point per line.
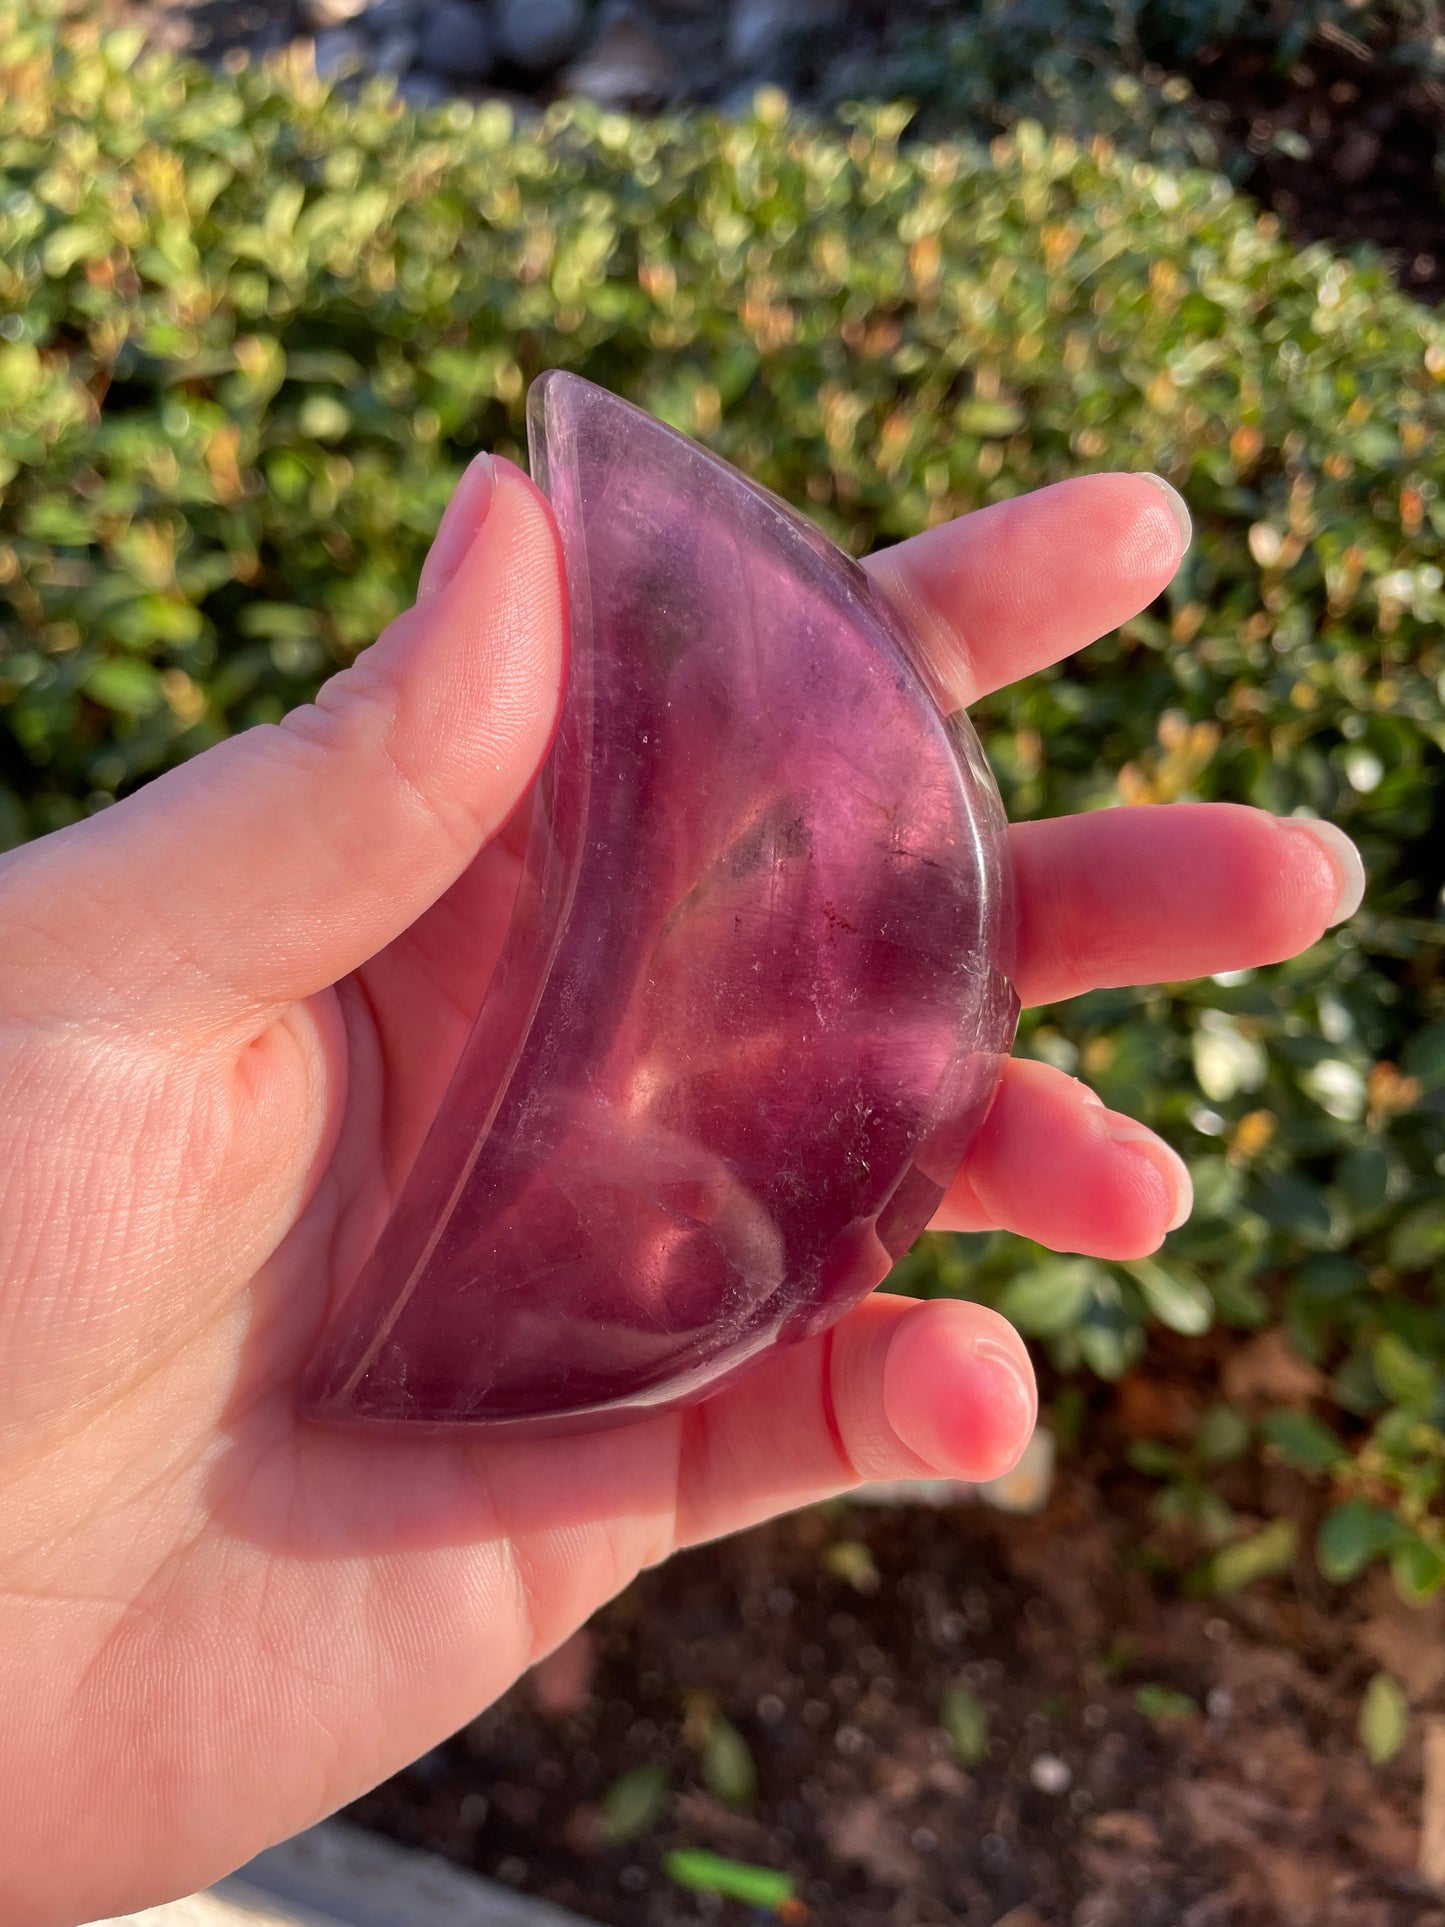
228	1008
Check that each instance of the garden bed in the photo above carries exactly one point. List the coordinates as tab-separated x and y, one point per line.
1342	145
1148	1760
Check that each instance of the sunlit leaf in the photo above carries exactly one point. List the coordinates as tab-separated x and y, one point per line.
727	1765
1164	1704
965	1721
1402	1374
1176	1298
1418	1568
1384	1719
851	1560
1265	1553
635	1802
710	1873
127	687
1222	1435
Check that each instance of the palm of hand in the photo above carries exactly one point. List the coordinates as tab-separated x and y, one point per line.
230	1623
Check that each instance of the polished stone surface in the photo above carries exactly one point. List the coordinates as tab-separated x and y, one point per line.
753	1001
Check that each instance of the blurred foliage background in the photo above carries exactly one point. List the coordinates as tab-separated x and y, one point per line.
250	333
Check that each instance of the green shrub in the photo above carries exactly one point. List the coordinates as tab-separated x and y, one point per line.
250	332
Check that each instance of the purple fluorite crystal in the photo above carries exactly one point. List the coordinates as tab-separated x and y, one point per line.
753	1001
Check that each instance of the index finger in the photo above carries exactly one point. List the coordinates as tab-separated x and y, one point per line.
1019	584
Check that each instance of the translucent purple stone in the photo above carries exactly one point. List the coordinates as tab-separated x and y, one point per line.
753	1002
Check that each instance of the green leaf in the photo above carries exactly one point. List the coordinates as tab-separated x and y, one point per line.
1304	1441
1402	1374
1269	1551
22	374
329	365
710	1873
1225	1060
76	241
1364	1177
1294	1205
151	619
1418	1568
1384	1719
1238	1300
1176	1298
1110	1340
324	418
852	1561
278	621
1331	1280
635	1802
727	1765
988	418
1352	1535
126	687
122	47
1197	1506
1164	1704
283	208
1053	1295
1418	1240
1222	1435
1424	1055
965	1721
1217	1187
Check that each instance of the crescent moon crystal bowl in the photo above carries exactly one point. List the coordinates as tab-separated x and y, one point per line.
753	1001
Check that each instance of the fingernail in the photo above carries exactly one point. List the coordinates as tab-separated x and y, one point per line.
465	514
1178	507
1012	1393
1344	858
1165	1160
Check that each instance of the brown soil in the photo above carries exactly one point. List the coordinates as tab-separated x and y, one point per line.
1361	134
1258	1809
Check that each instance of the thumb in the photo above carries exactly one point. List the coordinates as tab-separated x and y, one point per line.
273	864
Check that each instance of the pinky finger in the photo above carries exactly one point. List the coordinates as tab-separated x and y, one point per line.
895	1390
